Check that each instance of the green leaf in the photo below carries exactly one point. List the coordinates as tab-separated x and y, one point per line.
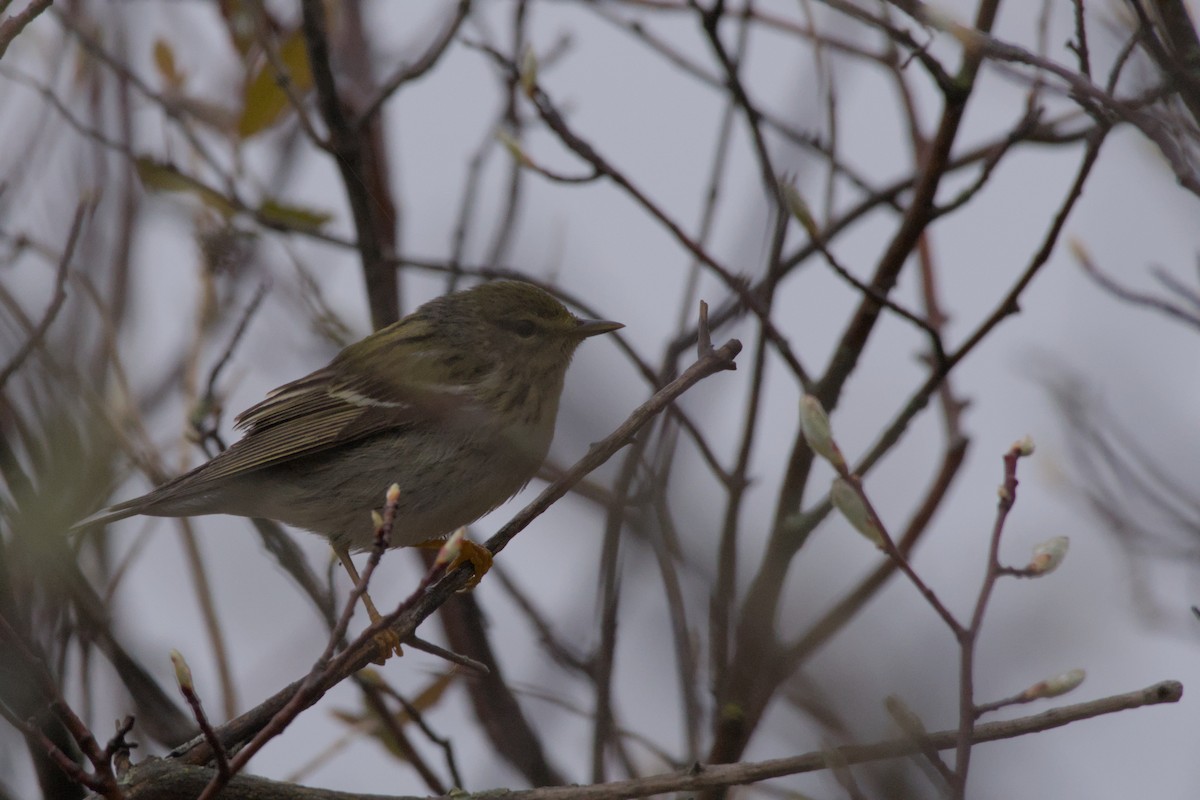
265	101
164	62
289	216
158	176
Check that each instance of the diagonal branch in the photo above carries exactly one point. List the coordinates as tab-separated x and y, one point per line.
56	301
11	26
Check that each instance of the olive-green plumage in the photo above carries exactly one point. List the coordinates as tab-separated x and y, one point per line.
455	403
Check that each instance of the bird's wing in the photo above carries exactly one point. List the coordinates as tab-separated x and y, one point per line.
321	411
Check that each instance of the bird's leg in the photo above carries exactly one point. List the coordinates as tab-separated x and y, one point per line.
478	556
387	640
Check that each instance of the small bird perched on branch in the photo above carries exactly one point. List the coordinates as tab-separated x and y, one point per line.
455	403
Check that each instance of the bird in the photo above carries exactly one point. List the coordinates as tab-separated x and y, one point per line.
455	403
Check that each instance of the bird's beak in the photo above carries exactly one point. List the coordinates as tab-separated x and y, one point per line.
594	327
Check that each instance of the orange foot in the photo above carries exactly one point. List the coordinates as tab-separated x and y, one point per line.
478	556
387	641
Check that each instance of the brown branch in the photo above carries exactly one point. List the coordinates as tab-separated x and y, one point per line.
1174	46
11	26
844	610
820	632
512	128
736	774
912	727
553	646
46	691
967	637
56	301
775	123
424	63
283	76
391	729
1096	100
183	676
1131	296
415	715
163	779
227	197
609	600
350	149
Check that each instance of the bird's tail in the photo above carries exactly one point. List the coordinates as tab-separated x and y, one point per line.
111	514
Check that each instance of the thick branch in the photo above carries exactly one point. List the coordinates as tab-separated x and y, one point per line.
350	148
164	780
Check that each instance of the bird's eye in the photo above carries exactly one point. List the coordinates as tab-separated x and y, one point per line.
522	327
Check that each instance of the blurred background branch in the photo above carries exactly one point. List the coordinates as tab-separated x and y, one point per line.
201	201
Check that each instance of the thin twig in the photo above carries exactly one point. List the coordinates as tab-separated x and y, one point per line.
911	725
283	76
183	676
56	301
469	664
969	636
205	598
1146	300
208	397
425	62
11	26
418	718
558	650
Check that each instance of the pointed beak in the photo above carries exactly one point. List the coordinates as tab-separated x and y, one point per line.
595	327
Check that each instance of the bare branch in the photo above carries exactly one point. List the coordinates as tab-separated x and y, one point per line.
162	779
60	294
11	26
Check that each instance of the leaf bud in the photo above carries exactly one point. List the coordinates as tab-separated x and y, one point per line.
1053	687
183	673
847	500
1048	555
814	423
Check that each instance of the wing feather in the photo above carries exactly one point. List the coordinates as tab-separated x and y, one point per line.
319	412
